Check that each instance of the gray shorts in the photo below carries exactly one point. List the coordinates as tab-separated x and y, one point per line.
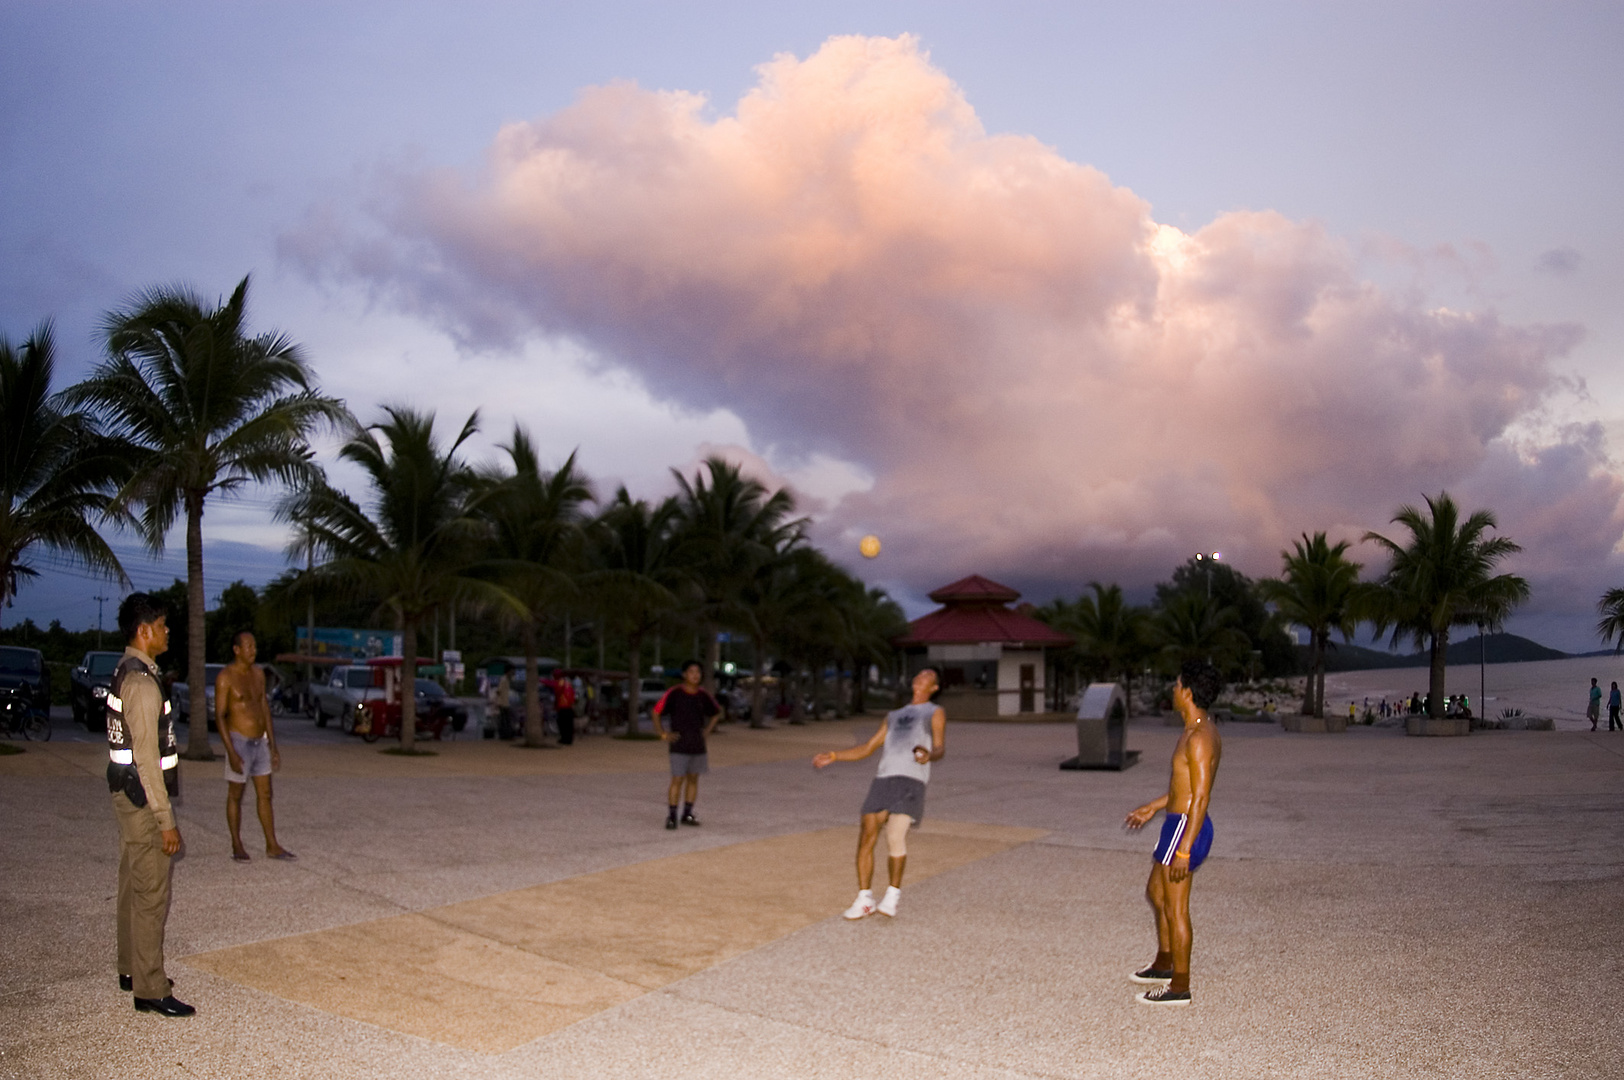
255	755
689	764
896	795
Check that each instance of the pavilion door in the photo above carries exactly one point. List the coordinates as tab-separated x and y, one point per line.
1029	680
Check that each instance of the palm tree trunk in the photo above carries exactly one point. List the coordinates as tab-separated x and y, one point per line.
634	666
1435	686
197	734
533	730
1319	673
408	683
797	709
713	658
758	691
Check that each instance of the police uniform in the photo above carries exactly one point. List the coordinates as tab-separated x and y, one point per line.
142	774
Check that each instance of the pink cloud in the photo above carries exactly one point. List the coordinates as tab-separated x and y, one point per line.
1044	382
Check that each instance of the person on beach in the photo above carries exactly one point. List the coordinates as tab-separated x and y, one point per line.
1593	711
1614	703
242	713
1186	834
142	773
692	714
913	737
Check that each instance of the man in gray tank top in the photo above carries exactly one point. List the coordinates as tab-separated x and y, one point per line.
911	737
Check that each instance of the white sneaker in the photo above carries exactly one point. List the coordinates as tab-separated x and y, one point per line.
862	907
888	906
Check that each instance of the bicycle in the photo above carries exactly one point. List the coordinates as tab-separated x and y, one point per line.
17	717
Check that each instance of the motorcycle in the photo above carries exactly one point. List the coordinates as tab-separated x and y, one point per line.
17	717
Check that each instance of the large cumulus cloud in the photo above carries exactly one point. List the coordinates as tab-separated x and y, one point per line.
1045	383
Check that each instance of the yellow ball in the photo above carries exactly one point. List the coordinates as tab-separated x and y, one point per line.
869	546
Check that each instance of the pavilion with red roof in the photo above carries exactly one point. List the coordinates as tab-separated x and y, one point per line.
993	658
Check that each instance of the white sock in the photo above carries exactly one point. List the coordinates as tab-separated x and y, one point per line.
890	889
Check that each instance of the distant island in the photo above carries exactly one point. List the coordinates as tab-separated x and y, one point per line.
1495	649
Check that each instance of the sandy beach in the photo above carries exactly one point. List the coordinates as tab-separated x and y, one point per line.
1555	688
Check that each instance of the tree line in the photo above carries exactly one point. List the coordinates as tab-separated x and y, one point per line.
1441	574
188	406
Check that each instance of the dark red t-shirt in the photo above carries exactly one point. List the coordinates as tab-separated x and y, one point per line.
686	714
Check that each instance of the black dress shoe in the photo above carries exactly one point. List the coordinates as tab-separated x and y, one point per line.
164	1006
126	983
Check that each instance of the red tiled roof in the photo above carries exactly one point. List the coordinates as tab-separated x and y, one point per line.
971	626
975	587
974	611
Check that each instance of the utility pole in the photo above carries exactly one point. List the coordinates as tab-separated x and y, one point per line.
100	600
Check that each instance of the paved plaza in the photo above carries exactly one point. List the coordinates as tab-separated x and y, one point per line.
1375	906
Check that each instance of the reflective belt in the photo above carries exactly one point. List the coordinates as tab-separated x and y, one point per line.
115	702
127	757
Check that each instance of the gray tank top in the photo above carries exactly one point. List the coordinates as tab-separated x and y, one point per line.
906	728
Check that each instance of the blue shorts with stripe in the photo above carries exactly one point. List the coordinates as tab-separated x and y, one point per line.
1173	830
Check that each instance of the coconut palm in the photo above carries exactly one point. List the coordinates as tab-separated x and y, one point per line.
730	527
1114	633
411	553
204	409
1318	589
1442	577
56	471
1611	609
1191	625
873	620
635	575
534	550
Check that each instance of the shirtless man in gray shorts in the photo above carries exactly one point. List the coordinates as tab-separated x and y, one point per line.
243	716
913	737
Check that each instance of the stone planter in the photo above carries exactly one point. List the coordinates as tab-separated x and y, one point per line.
1314	725
1442	725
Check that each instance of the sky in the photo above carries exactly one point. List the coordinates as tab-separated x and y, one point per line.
1047	292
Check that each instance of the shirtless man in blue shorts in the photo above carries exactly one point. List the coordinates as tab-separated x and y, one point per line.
1186	834
913	737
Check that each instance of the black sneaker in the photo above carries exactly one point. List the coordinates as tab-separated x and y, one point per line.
1163	995
689	819
1153	976
671	823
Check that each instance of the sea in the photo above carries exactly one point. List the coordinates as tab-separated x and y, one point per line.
1559	689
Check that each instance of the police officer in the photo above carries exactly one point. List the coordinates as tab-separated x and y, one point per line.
142	775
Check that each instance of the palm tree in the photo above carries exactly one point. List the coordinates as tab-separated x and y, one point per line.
1444	576
1191	625
873	620
55	470
635	575
411	554
535	525
203	408
1111	631
730	526
1611	609
1318	589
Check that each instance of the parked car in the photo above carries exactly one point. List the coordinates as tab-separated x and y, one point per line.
432	698
649	693
180	696
347	686
87	688
24	671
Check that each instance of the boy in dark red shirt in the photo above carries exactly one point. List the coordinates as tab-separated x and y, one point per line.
691	714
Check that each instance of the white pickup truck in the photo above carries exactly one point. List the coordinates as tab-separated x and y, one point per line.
345	687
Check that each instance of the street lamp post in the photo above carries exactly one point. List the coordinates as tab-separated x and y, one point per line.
1205	559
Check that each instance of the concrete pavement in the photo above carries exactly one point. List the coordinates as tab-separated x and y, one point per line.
1375	906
